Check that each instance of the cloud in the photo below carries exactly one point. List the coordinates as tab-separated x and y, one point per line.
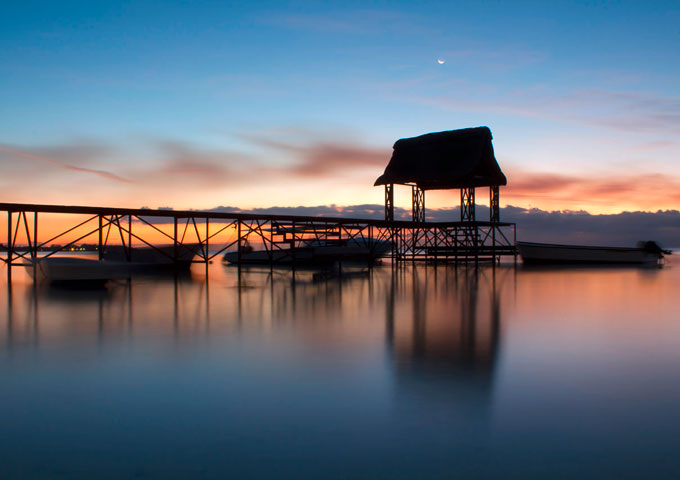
579	227
645	190
320	158
185	174
180	172
622	111
153	162
494	58
622	229
594	190
525	183
184	161
73	152
362	211
533	224
357	22
368	211
657	145
318	23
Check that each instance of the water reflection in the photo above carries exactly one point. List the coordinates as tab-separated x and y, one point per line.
451	328
437	319
443	327
374	373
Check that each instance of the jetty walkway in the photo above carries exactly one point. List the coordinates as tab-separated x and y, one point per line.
37	231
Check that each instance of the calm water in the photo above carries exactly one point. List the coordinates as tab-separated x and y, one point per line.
412	373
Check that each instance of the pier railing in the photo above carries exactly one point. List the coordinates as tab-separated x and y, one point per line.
38	231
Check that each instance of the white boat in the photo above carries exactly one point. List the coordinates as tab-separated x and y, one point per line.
153	257
83	271
648	253
315	253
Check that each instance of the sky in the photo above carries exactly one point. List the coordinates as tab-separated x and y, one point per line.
261	104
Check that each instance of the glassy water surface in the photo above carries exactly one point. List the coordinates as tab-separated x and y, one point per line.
415	372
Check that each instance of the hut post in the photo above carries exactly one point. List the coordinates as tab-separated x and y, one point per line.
10	248
494	216
418	209
389	202
494	204
467	204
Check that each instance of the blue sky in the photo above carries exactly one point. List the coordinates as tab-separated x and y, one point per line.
198	104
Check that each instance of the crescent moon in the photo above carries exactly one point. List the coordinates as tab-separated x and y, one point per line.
440	61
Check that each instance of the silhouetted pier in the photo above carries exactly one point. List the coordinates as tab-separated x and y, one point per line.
210	234
457	159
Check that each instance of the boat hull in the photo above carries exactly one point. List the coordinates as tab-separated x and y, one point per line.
153	257
80	271
549	254
328	254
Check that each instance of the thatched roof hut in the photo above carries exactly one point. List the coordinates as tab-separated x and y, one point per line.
452	159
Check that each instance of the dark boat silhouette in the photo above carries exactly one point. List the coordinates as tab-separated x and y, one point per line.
646	253
324	252
167	256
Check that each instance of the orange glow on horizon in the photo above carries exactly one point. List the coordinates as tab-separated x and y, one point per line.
322	174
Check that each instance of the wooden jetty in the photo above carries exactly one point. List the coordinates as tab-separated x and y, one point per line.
212	233
458	159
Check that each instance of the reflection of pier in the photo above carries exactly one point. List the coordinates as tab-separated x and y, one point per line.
38	314
449	336
440	319
182	306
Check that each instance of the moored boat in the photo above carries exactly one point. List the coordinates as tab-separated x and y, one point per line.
81	271
315	253
647	253
153	257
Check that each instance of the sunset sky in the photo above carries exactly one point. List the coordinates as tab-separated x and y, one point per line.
201	104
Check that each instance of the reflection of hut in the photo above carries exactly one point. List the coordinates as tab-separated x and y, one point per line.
456	159
452	332
445	347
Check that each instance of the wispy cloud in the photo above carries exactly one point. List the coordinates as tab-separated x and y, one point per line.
657	145
493	58
153	162
623	111
317	23
191	163
599	191
66	166
364	21
321	157
167	169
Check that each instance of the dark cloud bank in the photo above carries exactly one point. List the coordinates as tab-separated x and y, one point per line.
622	229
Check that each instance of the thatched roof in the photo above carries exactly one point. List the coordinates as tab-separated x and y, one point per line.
452	159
